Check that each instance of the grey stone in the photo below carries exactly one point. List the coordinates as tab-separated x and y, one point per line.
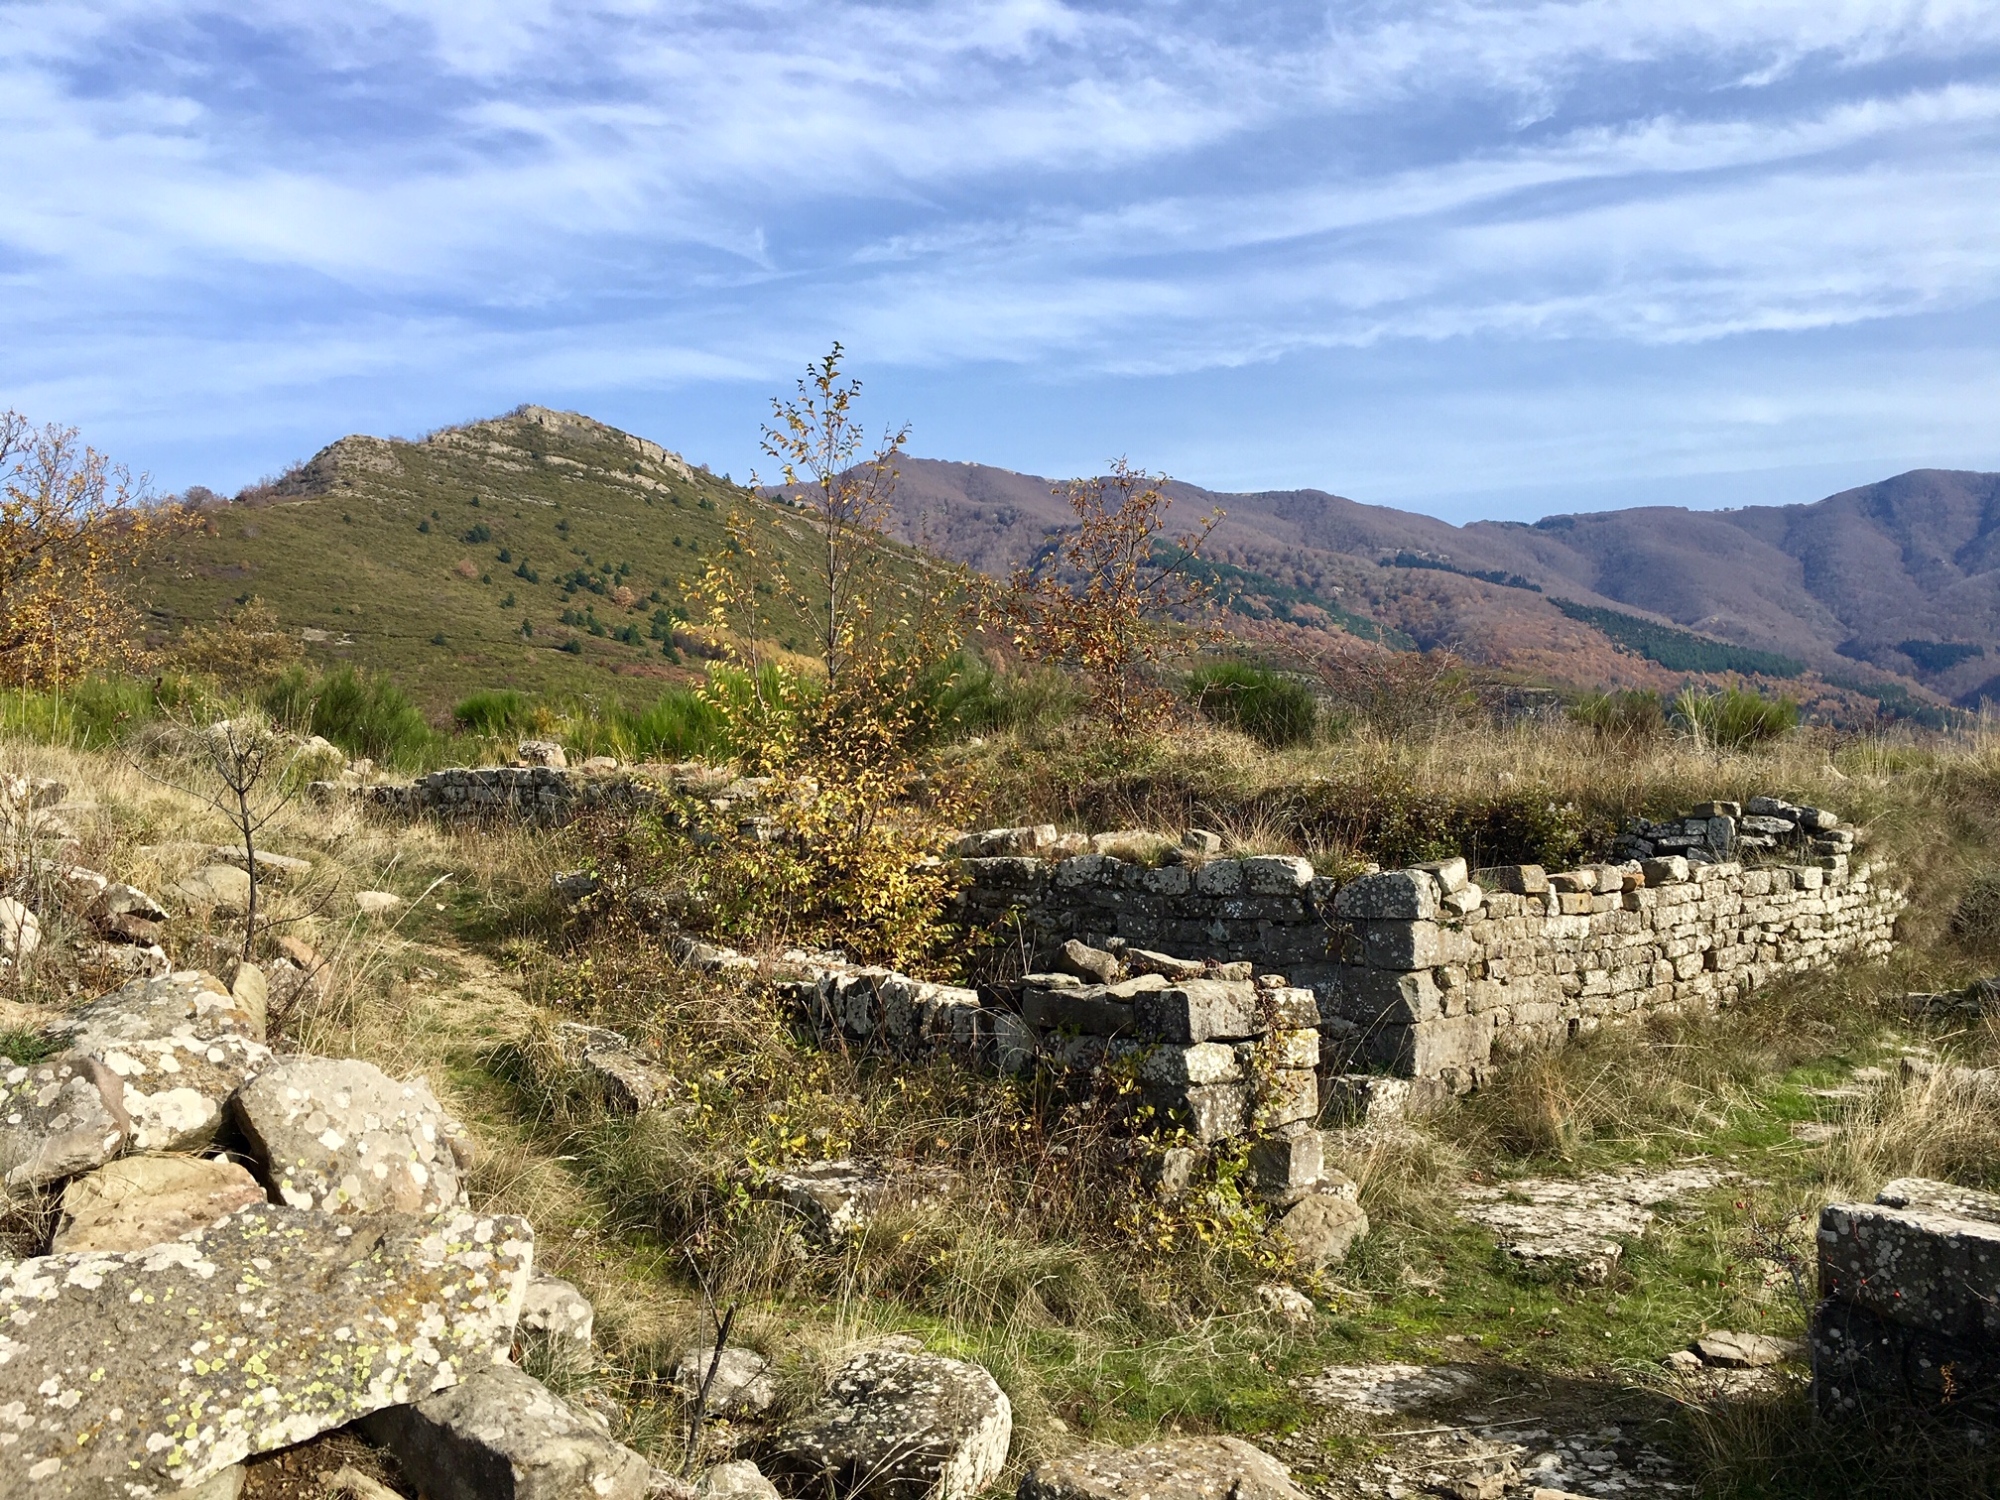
1286	1167
1201	841
1579	1225
1745	1351
743	1384
1279	874
1391	895
1517	880
271	867
162	1367
251	991
147	1200
1289	1303
1205	1468
118	899
20	929
1321	1228
58	1119
376	903
499	1434
344	1137
556	1310
222	889
631	1082
1927	1195
739	1479
836	1197
543	754
1092	965
1085	1010
1201	1010
1450	874
1936	1273
180	1046
1669	870
904	1426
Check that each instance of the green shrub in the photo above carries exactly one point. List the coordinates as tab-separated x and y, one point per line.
1272	709
98	710
1732	718
980	700
679	725
1634	715
361	713
497	712
1975	921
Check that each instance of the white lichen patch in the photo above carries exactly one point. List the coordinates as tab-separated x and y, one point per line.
265	1329
1580	1224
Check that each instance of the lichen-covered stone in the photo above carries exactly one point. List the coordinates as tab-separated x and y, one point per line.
57	1119
180	1045
743	1382
556	1310
344	1137
155	1369
145	1200
1206	1468
1323	1227
835	1197
903	1426
499	1434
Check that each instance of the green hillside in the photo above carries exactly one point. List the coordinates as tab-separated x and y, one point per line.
540	551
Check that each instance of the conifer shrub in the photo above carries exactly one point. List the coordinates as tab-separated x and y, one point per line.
1272	709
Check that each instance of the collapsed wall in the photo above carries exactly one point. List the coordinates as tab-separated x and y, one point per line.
1430	973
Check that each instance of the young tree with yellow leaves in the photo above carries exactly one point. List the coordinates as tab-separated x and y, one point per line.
1105	600
69	520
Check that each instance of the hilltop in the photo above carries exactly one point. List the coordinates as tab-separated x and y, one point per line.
539	550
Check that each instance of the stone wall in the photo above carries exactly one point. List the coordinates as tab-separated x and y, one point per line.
536	794
1430	973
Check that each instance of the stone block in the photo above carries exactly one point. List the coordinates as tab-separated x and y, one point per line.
1403	945
1390	895
1934	1272
1670	869
1209	1112
1322	1228
1086	1010
1222	877
148	1200
1372	996
1276	874
1201	1010
1285	1167
1203	1062
1517	880
1449	874
1287	1096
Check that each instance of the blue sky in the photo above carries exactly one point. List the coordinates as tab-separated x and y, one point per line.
1472	257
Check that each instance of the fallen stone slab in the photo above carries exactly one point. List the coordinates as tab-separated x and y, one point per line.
1207	1468
58	1119
743	1384
221	889
902	1425
180	1045
1386	1389
1579	1225
499	1434
147	1200
1745	1351
555	1309
162	1367
344	1137
274	867
632	1083
837	1197
20	930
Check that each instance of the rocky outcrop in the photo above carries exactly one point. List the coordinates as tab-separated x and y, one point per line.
1207	1468
344	1137
902	1425
499	1434
164	1366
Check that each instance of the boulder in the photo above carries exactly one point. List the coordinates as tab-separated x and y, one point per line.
742	1386
631	1083
344	1137
57	1119
740	1480
1206	1468
1286	1302
20	929
541	753
1745	1351
902	1425
180	1046
499	1434
221	889
117	899
1323	1227
162	1367
555	1309
147	1200
1092	965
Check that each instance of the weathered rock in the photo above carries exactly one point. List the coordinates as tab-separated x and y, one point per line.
221	889
838	1196
146	1200
1390	895
20	929
632	1083
904	1426
1205	1468
344	1137
180	1047
555	1309
1286	1302
271	867
1580	1224
163	1367
545	753
58	1118
126	928
1322	1228
376	903
251	991
738	1480
743	1383
1745	1351
499	1434
1093	965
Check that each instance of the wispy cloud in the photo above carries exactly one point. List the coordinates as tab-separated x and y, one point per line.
286	197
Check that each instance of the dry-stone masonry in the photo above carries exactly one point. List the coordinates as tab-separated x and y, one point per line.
1910	1309
1430	973
542	788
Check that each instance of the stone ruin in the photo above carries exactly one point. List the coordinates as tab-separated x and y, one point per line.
1910	1302
1429	975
